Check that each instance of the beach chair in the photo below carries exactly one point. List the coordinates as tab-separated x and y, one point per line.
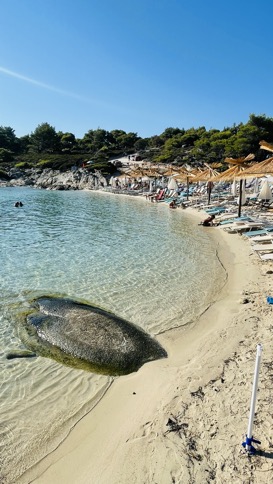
241	227
232	220
253	233
158	196
266	256
234	224
216	210
263	247
261	238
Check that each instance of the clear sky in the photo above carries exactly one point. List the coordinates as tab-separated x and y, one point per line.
135	65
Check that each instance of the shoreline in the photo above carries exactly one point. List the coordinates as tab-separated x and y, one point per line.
127	437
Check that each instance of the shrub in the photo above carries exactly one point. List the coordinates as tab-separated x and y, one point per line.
23	164
4	175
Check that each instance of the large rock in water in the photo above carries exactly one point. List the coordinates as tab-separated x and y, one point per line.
87	337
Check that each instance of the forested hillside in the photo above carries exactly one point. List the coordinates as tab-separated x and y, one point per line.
45	147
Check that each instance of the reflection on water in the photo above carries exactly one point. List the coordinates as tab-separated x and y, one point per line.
139	260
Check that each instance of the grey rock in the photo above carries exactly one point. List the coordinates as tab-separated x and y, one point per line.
87	337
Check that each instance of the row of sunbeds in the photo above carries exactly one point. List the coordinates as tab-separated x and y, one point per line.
258	231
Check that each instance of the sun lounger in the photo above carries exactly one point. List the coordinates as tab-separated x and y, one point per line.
235	224
263	247
216	210
262	238
253	233
243	227
158	196
232	220
266	256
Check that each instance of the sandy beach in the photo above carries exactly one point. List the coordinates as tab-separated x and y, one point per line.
183	419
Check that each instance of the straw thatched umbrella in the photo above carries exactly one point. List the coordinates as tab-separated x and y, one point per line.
206	176
153	174
241	160
185	176
235	171
171	172
260	169
138	173
264	145
242	163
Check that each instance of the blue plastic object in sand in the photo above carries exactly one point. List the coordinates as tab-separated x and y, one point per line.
269	299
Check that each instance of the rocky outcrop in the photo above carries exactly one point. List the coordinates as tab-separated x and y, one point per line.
84	336
74	179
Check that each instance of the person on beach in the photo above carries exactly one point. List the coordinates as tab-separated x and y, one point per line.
173	204
208	222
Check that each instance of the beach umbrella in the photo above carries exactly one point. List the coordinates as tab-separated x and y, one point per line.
138	173
260	169
241	160
172	185
153	174
234	188
170	171
185	176
265	193
234	172
256	185
264	145
206	175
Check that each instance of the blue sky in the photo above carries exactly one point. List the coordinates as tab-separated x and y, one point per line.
136	65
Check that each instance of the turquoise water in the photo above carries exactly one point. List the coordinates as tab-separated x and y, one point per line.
143	261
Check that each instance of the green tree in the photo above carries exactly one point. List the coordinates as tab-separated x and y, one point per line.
8	140
24	142
44	139
156	142
67	142
244	142
94	140
6	156
141	144
171	132
264	124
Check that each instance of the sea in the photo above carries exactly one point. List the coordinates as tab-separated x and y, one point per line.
146	263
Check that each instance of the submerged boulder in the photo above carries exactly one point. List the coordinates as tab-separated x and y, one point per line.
87	337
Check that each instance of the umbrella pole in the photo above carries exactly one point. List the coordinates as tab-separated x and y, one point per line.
209	192
240	198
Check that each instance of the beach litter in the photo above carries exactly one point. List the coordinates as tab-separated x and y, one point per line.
269	299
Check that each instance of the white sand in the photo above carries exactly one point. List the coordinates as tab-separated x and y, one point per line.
204	386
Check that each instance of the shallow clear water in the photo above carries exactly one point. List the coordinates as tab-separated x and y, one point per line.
139	260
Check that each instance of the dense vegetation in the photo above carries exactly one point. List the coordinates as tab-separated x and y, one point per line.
47	148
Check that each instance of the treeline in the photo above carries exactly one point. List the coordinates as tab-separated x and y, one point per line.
47	148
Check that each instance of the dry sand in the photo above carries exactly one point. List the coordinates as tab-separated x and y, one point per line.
183	419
